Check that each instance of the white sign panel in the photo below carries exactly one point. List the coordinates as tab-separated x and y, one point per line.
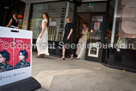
94	50
15	55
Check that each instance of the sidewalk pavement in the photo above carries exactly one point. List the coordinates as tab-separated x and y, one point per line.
80	75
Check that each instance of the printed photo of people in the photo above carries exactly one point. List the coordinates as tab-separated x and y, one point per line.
4	58
22	53
14	56
6	55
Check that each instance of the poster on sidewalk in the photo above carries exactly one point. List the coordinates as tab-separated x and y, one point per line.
6	54
94	50
15	55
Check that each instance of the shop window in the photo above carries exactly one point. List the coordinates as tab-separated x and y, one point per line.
57	13
125	31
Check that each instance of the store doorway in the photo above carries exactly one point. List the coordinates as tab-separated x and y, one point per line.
96	33
95	37
82	17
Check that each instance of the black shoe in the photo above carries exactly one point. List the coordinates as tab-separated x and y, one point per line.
63	58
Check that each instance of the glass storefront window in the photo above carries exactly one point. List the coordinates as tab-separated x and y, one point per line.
125	24
71	10
56	11
67	12
96	28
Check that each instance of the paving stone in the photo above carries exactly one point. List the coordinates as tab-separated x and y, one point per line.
80	75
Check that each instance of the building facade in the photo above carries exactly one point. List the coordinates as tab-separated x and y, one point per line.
111	25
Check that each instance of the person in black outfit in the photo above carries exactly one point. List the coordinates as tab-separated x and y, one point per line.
68	37
13	23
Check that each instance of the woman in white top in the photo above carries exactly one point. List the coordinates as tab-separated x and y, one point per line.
42	41
82	43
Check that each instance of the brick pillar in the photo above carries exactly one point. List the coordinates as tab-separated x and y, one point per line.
26	17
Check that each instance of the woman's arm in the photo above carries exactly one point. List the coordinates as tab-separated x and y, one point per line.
16	20
71	31
10	22
44	26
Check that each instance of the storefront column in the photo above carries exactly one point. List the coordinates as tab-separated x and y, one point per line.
26	17
75	15
114	23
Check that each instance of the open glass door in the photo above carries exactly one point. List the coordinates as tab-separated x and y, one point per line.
95	38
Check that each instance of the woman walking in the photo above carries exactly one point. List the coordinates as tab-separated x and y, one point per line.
67	39
82	43
42	41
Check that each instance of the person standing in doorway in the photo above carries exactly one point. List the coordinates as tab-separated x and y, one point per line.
68	37
42	41
82	43
13	23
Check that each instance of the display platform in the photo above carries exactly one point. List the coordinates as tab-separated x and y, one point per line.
29	84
